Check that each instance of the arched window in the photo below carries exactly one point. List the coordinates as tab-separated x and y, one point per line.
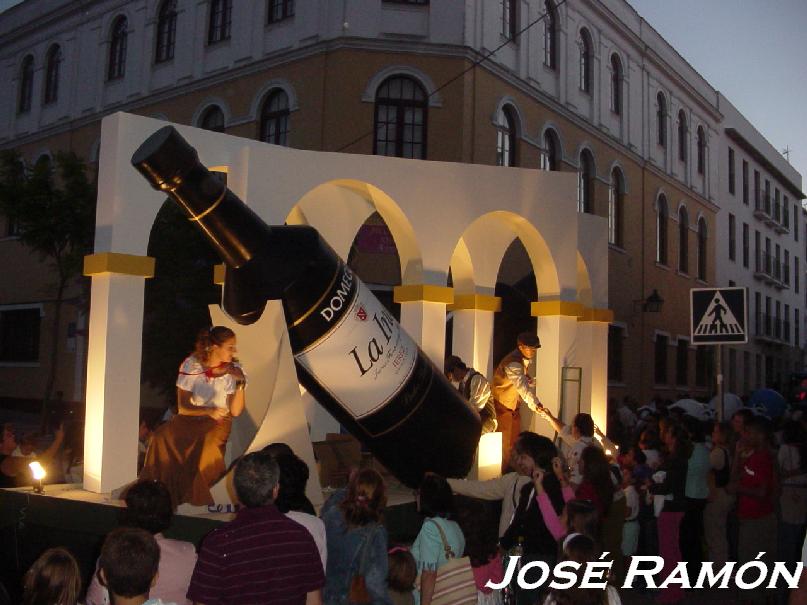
661	120
701	150
682	136
661	230
585	183
506	152
616	84
683	240
221	16
52	65
616	198
550	35
401	110
550	154
275	118
117	49
166	31
26	85
212	119
702	234
586	59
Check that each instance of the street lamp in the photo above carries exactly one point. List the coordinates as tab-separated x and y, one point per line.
651	304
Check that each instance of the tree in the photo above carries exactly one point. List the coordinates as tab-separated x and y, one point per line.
52	206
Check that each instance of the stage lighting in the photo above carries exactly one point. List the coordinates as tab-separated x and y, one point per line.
39	473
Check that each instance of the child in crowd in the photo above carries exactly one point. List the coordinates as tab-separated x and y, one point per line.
401	574
53	578
481	546
630	529
649	444
582	550
128	566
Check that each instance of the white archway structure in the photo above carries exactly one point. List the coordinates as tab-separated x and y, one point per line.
441	215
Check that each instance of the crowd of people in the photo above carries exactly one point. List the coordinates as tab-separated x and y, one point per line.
678	487
660	483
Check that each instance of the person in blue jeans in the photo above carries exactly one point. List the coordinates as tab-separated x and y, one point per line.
357	541
436	503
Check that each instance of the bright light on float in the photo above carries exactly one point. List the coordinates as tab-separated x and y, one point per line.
38	473
489	465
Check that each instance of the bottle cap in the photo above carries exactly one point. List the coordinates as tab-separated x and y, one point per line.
165	158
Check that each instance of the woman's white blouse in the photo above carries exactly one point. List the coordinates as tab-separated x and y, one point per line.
205	391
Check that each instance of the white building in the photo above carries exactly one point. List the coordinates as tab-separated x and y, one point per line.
761	240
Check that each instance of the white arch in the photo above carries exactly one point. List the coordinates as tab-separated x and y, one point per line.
503	102
550	125
586	146
207	104
659	193
434	98
110	20
616	164
260	96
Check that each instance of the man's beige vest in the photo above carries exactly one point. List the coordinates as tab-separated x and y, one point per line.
504	391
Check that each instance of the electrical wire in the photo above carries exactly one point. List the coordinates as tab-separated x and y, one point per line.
473	66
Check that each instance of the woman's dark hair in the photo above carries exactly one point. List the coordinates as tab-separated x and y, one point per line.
585	424
649	438
366	498
278	448
539	448
582	550
436	499
53	578
683	444
293	479
639	457
130	558
694	427
207	337
148	506
402	570
481	534
582	517
597	472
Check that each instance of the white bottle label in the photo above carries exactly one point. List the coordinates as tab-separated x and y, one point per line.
363	360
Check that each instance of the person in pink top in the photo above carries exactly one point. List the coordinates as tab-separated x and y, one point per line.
148	507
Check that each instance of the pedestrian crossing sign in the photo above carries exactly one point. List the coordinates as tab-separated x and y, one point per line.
718	315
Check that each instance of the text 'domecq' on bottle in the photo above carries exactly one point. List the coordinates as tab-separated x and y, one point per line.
350	352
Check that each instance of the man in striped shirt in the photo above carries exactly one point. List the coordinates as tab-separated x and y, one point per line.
261	556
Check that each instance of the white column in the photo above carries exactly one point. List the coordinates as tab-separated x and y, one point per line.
472	337
592	330
113	369
423	317
557	330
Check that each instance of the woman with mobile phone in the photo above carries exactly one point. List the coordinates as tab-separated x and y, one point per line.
187	453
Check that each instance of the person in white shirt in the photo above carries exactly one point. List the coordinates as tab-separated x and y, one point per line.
475	388
292	501
576	437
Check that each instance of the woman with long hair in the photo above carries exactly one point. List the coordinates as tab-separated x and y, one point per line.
528	532
438	533
187	453
597	484
53	579
357	543
670	481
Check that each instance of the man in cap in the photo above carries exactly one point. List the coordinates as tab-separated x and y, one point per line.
512	385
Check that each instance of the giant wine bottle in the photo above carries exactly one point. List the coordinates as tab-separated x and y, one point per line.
350	352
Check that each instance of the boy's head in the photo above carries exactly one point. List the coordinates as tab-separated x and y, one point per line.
583	426
128	563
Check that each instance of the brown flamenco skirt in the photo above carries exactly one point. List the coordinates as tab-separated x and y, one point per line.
187	454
